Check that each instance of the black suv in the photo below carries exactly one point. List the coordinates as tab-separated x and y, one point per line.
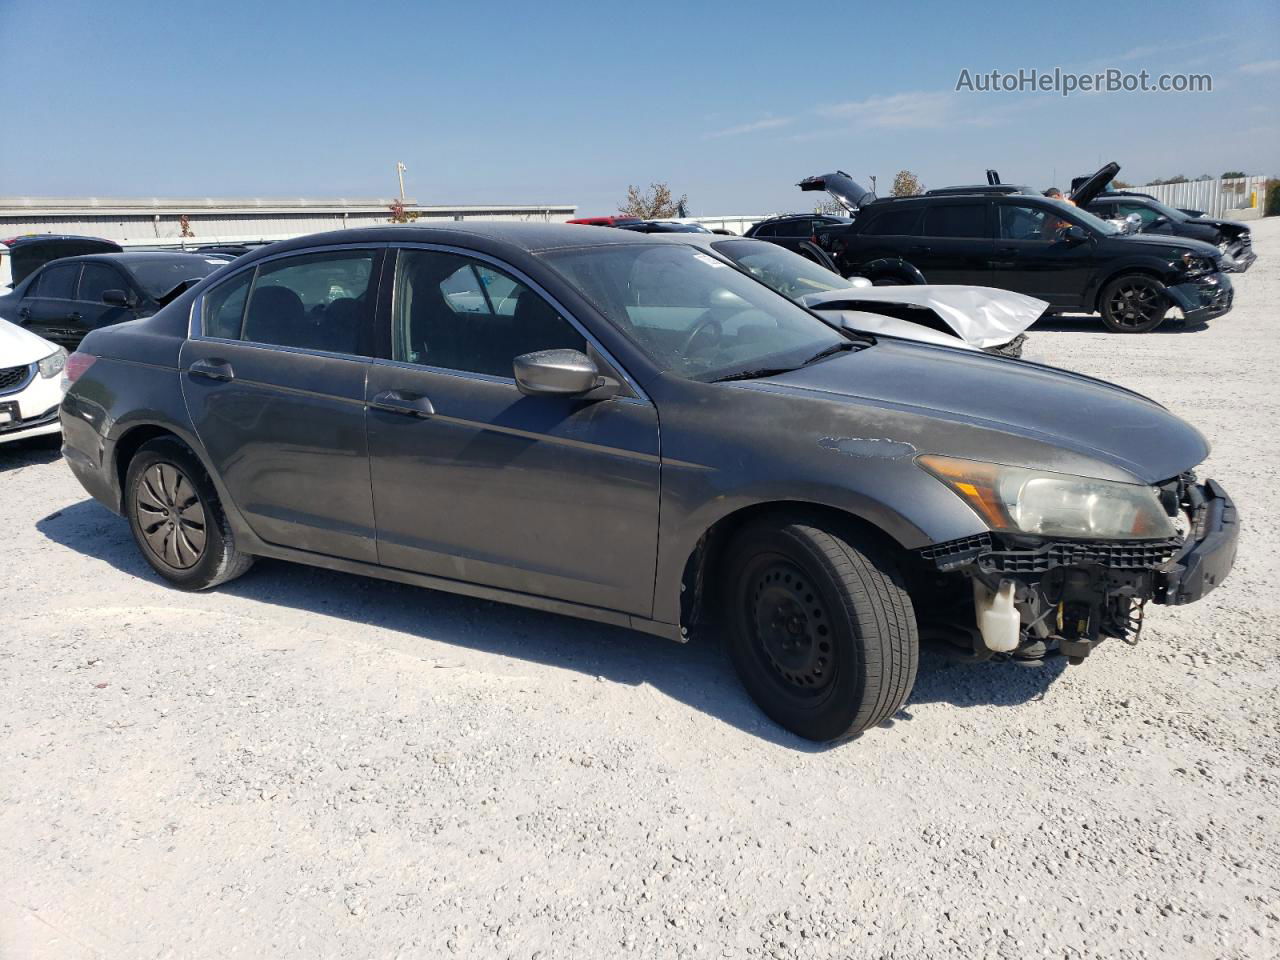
1010	237
794	230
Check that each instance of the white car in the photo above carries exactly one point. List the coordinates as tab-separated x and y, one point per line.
951	315
31	383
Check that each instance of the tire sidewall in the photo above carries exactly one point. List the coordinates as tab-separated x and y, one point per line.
203	572
830	715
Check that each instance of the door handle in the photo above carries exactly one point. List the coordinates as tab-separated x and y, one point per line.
73	315
393	401
919	248
213	369
1006	249
24	313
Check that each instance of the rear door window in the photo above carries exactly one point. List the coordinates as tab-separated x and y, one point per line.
895	223
319	301
956	220
224	307
58	282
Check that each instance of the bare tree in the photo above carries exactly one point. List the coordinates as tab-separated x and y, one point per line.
906	184
656	203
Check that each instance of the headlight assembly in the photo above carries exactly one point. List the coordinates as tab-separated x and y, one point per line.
53	364
1017	500
1197	266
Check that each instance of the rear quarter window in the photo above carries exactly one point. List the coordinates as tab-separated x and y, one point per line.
57	282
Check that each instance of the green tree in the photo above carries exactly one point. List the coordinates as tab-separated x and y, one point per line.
1234	175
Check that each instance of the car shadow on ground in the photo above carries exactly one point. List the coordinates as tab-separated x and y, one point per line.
26	453
1084	323
697	673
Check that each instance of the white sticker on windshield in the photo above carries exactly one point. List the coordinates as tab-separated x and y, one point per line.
708	260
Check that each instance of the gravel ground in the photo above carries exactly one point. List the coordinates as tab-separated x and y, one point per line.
307	764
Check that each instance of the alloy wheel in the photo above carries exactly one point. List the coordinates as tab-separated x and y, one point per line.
170	515
1136	303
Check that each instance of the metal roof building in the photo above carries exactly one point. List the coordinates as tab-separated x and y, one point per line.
193	221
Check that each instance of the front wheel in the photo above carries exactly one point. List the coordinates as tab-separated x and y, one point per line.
822	632
176	518
1134	303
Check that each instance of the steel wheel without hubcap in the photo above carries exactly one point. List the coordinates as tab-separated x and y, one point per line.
170	515
1135	305
791	628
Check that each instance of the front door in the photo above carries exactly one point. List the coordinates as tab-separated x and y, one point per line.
274	381
474	481
1034	256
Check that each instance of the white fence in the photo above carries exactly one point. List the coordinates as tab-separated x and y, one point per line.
1214	198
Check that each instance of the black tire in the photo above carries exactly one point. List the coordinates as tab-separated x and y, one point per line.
177	519
1133	303
821	631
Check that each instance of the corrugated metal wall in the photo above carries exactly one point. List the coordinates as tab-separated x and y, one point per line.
1215	198
140	221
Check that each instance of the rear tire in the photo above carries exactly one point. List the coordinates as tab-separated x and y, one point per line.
821	631
1133	303
177	519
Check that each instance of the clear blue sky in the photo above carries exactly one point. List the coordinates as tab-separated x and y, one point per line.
730	103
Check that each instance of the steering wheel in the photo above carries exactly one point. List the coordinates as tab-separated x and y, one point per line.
710	323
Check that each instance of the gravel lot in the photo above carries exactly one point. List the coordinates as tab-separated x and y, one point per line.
307	764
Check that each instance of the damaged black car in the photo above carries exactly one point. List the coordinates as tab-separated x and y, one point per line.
475	408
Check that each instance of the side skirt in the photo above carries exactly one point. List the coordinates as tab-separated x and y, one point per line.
671	631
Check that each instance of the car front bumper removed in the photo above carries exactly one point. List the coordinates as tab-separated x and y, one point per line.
1072	594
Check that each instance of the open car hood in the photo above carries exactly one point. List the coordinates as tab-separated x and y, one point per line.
1083	191
980	316
842	188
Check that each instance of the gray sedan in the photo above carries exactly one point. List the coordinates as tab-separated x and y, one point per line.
604	425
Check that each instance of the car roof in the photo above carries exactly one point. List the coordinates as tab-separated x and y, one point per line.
485	235
133	256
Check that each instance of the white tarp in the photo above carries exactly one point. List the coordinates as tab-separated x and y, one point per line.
980	316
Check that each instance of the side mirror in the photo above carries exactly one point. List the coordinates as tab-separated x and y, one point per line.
1075	234
1159	221
118	298
556	373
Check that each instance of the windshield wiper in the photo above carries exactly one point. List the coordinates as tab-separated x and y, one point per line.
831	351
752	374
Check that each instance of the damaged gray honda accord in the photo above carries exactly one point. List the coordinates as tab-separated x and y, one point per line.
599	424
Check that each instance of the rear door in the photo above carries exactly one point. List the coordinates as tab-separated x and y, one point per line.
474	481
955	242
274	381
1033	256
49	308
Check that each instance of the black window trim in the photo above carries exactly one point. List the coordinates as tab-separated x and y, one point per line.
385	325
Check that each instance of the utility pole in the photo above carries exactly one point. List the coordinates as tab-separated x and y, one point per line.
400	169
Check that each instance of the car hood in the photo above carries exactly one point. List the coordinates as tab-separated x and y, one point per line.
842	188
1083	194
980	316
1122	435
19	347
1232	227
1169	244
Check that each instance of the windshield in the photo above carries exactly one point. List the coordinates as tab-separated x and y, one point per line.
789	273
1080	215
1177	216
693	315
158	277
